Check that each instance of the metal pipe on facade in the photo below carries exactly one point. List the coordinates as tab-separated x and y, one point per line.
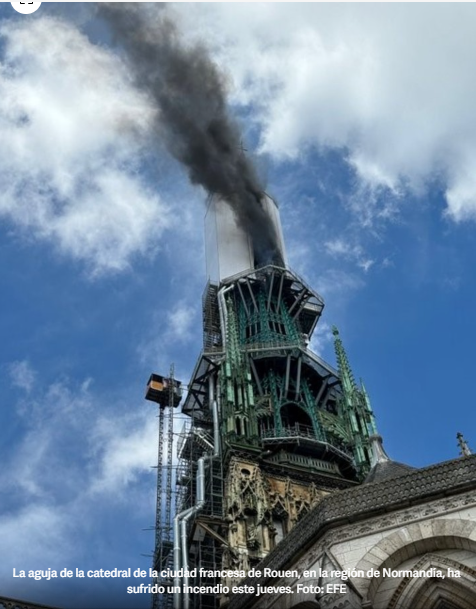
200	495
178	555
223	312
193	510
200	501
181	520
216	427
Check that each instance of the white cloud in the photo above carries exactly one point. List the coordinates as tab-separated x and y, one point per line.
340	247
124	448
181	322
179	326
22	375
394	95
390	85
34	536
460	194
74	130
321	339
365	264
80	452
335	282
79	462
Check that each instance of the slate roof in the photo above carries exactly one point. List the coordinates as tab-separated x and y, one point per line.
387	470
414	487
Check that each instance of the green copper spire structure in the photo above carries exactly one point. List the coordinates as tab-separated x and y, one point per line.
272	429
355	409
345	371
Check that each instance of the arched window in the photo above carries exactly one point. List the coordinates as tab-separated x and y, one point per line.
292	415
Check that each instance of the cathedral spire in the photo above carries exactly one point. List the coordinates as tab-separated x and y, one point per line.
343	366
355	409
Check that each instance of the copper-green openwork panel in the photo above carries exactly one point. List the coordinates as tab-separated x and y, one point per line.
267	321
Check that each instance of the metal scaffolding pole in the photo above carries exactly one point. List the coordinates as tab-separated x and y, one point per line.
166	393
169	464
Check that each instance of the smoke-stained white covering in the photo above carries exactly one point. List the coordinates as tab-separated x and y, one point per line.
272	209
228	249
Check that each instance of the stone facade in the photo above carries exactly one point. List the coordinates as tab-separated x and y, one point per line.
422	520
261	509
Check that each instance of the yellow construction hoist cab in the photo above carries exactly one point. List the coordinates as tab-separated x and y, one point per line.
163	391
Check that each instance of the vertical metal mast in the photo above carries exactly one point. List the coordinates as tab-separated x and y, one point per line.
169	464
166	392
159	530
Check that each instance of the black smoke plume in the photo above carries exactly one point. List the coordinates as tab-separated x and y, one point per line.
193	117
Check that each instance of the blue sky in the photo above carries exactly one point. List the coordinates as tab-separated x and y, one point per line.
361	118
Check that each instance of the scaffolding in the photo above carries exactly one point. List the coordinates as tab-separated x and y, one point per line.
205	532
177	491
166	392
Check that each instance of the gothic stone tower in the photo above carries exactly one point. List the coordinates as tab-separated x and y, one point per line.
273	427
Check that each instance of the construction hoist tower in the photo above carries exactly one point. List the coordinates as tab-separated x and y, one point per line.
167	393
273	427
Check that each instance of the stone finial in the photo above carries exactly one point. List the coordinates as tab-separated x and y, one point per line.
378	452
463	445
